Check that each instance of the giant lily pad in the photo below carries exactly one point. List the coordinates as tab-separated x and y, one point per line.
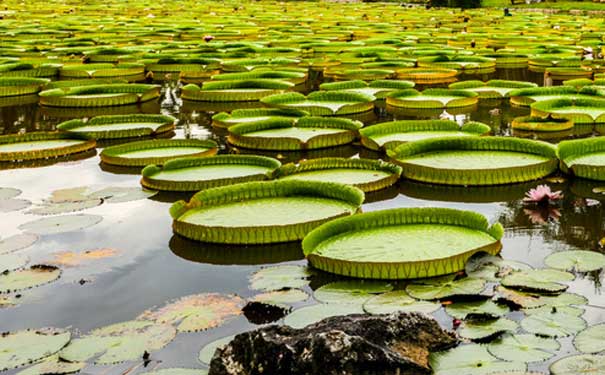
576	260
432	98
195	174
127	341
445	286
16	86
475	160
99	95
119	126
312	314
60	224
553	324
41	145
470	360
379	88
28	278
240	116
142	153
579	364
244	90
355	292
280	277
590	340
323	103
546	280
583	157
493	89
401	243
24	347
524	348
365	174
539	124
398	301
197	312
580	110
291	209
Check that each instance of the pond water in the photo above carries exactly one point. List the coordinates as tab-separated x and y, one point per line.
153	266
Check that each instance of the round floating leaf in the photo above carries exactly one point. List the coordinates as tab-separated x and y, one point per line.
61	224
156	151
28	278
579	364
207	351
8	193
119	342
553	324
354	292
23	347
576	260
72	259
542	280
177	371
41	145
17	242
312	314
488	308
562	303
197	312
116	194
445	286
52	365
483	329
470	360
523	348
281	297
482	264
65	207
9	205
11	262
280	277
398	301
519	298
591	339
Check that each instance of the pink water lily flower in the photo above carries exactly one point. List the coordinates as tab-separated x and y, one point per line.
542	194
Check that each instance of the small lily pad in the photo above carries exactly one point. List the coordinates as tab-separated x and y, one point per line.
524	348
52	365
542	280
17	242
61	224
576	260
177	371
562	303
207	351
72	259
197	312
64	207
518	298
312	314
118	194
28	278
483	329
579	364
591	340
9	193
353	292
445	286
23	347
553	324
481	260
11	262
9	205
280	277
398	301
470	360
281	297
486	309
119	342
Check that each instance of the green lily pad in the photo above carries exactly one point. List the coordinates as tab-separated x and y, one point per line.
17	242
281	297
60	224
542	280
553	324
312	314
518	298
398	301
197	312
126	341
9	205
23	347
488	309
445	286
482	265
576	260
177	371
579	364
9	193
591	340
11	262
52	365
280	277
483	329
470	360
562	303
66	207
28	278
117	194
207	351
524	348
353	292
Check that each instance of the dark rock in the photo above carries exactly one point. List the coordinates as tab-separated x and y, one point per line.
353	344
264	313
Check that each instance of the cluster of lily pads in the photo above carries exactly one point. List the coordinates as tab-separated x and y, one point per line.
263	59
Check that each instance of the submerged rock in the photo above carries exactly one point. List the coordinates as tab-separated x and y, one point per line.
353	344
